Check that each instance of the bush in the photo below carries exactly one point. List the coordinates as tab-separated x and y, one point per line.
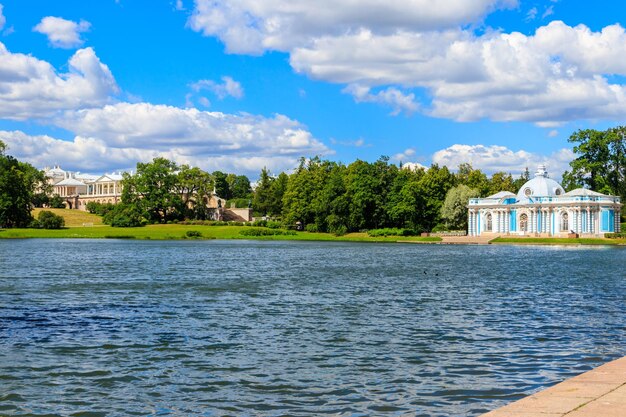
193	233
260	223
101	209
266	232
391	231
273	225
56	202
49	220
123	215
340	230
439	228
312	227
620	235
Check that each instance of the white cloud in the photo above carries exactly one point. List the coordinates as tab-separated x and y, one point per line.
553	133
62	33
532	14
557	75
496	158
391	97
117	136
3	19
250	26
32	88
407	155
413	166
228	87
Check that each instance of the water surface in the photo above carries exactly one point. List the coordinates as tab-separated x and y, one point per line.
238	328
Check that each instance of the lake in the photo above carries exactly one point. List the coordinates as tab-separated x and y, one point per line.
250	328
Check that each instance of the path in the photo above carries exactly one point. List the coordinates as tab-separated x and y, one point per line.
600	392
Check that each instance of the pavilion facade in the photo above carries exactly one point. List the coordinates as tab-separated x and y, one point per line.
542	208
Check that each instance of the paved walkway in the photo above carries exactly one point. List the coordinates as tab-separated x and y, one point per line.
466	240
600	392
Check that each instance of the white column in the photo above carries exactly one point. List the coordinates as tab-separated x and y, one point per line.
507	222
549	225
470	232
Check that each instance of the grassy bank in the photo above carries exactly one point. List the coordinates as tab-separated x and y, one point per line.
557	241
178	231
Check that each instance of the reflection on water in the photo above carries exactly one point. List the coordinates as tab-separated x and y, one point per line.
221	328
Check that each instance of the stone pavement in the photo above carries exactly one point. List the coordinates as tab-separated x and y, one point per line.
600	392
466	240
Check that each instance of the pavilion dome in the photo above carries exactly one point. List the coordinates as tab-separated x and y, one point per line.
540	186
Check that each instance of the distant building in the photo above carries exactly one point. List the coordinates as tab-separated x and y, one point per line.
78	189
543	208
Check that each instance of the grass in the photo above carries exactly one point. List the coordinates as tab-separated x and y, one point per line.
179	231
558	241
73	218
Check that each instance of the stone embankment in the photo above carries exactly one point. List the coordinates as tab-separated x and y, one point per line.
600	392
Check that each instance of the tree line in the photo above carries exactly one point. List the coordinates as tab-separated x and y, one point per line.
323	195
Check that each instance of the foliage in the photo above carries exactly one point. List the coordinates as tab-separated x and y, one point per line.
154	191
620	235
49	220
56	201
193	234
124	215
454	209
101	209
391	232
601	161
266	232
19	184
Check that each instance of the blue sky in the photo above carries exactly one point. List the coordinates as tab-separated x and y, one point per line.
242	84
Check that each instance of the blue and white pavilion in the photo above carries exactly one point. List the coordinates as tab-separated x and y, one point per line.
543	208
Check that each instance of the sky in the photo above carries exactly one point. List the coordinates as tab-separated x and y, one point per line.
238	85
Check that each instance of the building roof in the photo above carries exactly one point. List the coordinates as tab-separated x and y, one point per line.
540	186
584	193
70	182
501	194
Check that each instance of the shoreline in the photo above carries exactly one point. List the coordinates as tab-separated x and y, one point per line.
600	392
179	232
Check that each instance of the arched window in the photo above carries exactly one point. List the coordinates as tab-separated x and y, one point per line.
564	222
523	222
489	223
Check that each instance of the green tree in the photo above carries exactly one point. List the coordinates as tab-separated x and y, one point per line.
49	220
601	160
222	188
240	187
19	183
195	188
501	181
153	190
523	178
454	209
474	178
262	199
433	187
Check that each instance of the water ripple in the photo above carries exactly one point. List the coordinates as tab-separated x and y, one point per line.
116	328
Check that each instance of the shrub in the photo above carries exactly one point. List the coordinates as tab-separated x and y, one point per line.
340	230
101	209
56	202
391	231
312	227
439	228
49	220
274	225
620	235
123	215
193	233
266	232
260	223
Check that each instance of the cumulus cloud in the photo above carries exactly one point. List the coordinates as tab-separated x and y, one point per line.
228	87
250	26
556	75
62	33
32	88
561	73
413	166
117	136
391	96
496	158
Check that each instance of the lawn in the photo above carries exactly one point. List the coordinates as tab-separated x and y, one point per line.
558	241
178	231
73	218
